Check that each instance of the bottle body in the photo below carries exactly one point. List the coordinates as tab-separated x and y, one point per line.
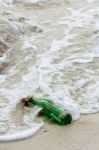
52	111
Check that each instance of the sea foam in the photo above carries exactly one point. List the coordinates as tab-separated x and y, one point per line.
57	60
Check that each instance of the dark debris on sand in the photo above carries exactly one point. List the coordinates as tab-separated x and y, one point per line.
3	49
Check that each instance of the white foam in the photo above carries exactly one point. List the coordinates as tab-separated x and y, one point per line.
90	1
31	1
22	1
21	134
2	78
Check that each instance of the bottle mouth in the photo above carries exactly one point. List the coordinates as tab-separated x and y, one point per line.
66	119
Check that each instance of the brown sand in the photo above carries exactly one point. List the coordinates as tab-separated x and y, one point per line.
80	135
3	48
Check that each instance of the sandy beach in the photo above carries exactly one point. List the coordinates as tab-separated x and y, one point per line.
50	50
80	135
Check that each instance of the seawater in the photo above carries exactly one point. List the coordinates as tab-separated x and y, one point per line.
53	52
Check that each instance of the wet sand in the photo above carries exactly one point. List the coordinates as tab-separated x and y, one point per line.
80	135
3	48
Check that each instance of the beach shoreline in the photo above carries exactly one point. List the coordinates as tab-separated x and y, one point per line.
49	50
80	135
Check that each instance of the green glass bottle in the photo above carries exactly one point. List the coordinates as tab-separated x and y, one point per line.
52	111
